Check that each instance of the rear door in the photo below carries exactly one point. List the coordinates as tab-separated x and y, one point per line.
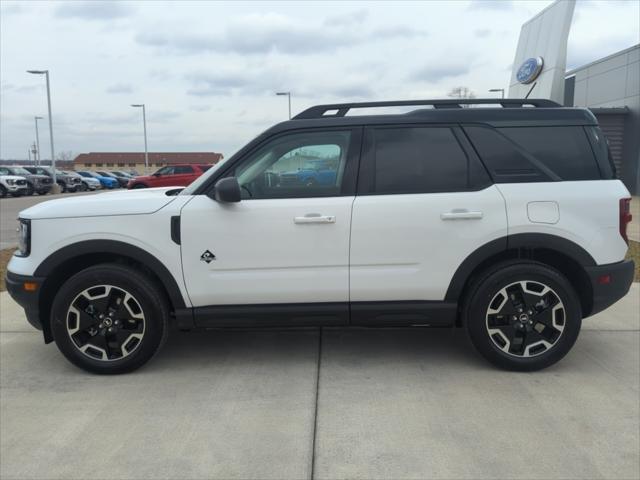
424	204
183	175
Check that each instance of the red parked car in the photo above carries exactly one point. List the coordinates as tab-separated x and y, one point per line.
170	176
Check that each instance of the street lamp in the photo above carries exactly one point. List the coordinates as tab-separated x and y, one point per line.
37	159
288	95
497	90
55	187
144	125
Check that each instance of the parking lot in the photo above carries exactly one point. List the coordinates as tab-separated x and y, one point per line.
336	403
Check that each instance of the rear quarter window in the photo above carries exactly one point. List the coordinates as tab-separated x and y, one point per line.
564	150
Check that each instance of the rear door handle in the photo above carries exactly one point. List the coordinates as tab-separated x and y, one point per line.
315	218
461	214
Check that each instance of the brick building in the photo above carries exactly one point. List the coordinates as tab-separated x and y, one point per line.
135	161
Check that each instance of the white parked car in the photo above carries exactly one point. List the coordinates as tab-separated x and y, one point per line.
88	183
12	185
507	222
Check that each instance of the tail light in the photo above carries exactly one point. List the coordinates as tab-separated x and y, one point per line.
625	217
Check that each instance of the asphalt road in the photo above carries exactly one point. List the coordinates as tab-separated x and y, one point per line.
10	207
331	404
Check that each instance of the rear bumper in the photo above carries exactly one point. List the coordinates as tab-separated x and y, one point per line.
29	300
610	283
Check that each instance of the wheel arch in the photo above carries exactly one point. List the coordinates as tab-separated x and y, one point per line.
71	259
564	255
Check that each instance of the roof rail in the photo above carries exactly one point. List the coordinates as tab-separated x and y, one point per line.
341	109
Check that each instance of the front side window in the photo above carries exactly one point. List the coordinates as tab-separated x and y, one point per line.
4	171
418	160
300	165
165	171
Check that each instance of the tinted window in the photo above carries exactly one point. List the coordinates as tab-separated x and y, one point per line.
506	162
298	165
183	169
418	160
564	150
4	171
600	147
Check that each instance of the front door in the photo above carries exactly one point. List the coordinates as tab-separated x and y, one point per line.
286	243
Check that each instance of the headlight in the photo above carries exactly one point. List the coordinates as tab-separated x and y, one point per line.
24	240
11	181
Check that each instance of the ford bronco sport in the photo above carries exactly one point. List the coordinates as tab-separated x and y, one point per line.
506	220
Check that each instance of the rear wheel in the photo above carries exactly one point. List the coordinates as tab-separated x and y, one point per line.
522	315
109	319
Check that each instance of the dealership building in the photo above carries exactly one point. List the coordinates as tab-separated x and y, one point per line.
610	88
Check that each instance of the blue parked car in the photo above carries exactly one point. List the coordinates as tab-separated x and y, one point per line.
316	172
106	182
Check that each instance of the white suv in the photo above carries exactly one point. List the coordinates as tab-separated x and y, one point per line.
505	220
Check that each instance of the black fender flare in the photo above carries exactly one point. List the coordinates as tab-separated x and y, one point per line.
87	247
514	242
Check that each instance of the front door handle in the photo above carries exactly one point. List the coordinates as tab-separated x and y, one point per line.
461	214
315	218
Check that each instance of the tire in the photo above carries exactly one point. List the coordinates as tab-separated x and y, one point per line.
63	187
83	187
522	316
139	185
81	325
29	191
3	191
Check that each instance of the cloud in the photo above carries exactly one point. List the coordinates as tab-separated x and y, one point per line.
230	81
9	87
482	32
253	34
499	5
398	31
351	18
440	70
200	108
119	88
93	10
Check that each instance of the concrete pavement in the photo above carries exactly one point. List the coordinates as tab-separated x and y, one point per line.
386	404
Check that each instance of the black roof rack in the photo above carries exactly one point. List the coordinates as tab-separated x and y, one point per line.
341	109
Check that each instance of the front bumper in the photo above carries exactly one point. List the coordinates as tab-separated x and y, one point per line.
27	299
610	283
16	188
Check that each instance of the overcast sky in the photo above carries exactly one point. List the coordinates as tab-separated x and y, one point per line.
208	71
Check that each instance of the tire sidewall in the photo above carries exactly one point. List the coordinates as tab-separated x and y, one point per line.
476	311
144	291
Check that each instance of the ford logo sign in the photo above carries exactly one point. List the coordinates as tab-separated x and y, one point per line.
529	70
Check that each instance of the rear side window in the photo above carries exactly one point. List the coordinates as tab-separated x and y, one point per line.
564	150
600	147
417	160
182	169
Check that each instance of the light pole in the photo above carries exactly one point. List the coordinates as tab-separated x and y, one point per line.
55	187
497	90
288	95
37	158
144	125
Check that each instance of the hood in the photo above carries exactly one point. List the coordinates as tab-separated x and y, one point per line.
88	179
12	177
128	202
35	176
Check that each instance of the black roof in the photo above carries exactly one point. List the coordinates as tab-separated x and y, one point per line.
494	112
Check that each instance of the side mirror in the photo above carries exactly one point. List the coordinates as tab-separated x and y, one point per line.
227	190
157	174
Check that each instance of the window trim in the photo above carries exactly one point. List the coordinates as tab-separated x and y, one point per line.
366	178
349	176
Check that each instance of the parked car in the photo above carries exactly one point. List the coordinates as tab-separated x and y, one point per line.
40	184
12	185
66	182
315	172
88	183
120	173
508	222
122	182
106	182
170	176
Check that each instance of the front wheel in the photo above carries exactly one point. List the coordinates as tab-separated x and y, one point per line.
3	191
63	187
139	185
109	319
522	315
30	190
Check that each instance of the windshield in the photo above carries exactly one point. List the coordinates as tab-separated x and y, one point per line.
20	171
201	179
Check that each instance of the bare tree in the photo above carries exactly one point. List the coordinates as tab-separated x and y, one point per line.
65	155
461	92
